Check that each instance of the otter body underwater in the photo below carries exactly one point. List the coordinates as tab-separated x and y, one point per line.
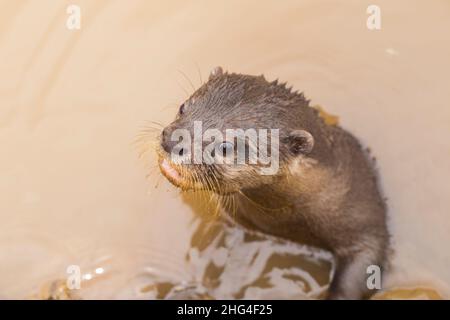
324	192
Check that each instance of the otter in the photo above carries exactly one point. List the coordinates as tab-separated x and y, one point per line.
325	192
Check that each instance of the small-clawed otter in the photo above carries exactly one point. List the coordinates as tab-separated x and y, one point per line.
325	191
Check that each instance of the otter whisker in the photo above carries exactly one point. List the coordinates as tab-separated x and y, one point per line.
182	88
187	78
209	182
199	73
144	147
195	178
150	173
218	203
263	208
235	204
171	105
156	123
151	126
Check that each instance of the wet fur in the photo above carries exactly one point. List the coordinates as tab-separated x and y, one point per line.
327	197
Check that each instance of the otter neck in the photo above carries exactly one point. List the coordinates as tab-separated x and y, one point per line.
278	195
297	186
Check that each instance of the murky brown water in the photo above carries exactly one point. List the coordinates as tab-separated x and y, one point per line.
73	191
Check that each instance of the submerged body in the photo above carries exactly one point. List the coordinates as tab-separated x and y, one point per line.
325	192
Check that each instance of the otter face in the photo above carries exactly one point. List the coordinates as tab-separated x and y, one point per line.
235	132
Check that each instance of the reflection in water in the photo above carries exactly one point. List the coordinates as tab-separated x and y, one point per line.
224	261
233	263
238	264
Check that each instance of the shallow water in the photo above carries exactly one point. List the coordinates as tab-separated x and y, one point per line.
72	102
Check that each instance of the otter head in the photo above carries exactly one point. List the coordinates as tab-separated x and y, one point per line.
235	132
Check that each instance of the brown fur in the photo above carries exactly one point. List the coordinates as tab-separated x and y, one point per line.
324	194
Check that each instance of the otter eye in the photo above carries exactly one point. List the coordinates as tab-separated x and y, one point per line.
181	111
226	148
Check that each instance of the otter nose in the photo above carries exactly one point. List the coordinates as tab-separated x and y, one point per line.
169	145
166	143
165	132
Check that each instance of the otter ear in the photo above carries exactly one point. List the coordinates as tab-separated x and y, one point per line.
217	71
300	141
